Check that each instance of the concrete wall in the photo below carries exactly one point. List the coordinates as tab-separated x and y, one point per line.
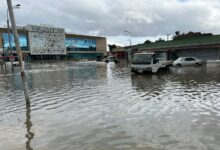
101	45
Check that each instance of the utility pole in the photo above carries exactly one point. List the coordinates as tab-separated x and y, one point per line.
9	37
9	33
9	40
4	57
168	37
19	53
130	43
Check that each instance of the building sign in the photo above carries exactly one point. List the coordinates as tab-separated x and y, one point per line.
46	40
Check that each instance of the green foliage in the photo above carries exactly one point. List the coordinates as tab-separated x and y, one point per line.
160	40
147	42
111	47
190	34
177	33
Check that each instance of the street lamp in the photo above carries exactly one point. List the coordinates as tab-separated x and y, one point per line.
19	52
168	37
9	32
129	35
129	40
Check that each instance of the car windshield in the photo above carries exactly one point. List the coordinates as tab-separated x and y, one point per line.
142	59
189	59
180	59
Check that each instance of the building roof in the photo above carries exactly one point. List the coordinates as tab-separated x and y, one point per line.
85	36
178	43
118	49
25	30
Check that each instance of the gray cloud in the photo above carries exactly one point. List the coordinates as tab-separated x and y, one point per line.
143	18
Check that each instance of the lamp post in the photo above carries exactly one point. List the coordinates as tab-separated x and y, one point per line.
130	42
3	54
129	35
168	37
9	33
19	52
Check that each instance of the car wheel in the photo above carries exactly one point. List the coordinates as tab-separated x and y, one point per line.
133	70
178	65
197	65
116	61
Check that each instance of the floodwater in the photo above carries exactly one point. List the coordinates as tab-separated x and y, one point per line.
98	106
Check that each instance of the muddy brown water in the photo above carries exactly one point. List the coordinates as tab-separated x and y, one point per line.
98	106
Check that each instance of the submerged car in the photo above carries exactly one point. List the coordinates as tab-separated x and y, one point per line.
187	61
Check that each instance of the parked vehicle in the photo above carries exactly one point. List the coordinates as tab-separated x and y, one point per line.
14	63
99	58
147	62
187	61
112	59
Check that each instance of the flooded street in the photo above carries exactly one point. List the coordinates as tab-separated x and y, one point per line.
98	106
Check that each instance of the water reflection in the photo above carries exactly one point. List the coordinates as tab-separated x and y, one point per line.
28	123
147	82
200	75
90	105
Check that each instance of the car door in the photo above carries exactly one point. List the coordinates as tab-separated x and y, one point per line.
189	61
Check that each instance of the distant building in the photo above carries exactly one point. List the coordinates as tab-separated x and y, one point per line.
202	47
44	42
119	52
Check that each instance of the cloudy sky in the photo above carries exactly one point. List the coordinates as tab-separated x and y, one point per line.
144	19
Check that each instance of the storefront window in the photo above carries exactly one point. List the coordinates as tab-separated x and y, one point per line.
76	44
22	41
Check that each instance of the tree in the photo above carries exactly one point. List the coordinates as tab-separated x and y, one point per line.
160	40
190	34
111	47
177	33
147	42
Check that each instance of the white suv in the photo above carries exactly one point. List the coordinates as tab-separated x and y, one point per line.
187	61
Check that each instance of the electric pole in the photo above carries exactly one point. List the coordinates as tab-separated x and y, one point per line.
19	53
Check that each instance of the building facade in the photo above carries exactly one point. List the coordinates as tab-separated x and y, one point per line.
118	52
204	48
45	42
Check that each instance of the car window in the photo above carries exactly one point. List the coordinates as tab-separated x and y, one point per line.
189	59
142	59
179	59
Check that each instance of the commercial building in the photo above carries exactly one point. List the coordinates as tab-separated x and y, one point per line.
46	42
118	52
203	47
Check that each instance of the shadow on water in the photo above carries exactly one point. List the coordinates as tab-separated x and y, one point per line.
28	123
